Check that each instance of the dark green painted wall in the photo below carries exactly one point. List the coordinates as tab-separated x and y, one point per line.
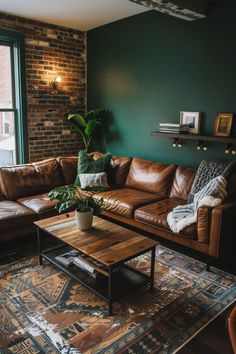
147	68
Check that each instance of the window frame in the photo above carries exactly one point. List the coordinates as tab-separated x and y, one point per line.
16	40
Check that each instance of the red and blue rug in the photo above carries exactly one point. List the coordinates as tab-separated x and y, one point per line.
44	311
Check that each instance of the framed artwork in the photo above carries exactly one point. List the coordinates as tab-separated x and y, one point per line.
223	124
193	119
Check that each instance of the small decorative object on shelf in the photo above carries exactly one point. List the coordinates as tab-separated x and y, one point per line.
193	119
223	124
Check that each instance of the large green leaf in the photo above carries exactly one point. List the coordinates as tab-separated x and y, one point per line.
71	196
90	127
94	113
78	119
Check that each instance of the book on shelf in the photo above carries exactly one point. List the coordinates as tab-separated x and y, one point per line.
84	262
67	258
174	131
173	125
89	267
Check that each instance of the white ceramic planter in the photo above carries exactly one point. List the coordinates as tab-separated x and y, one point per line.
84	220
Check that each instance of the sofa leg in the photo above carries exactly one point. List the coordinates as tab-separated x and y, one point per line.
208	263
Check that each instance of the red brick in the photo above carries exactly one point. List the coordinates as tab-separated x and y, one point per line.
51	51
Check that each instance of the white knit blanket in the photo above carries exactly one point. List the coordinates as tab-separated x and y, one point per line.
211	195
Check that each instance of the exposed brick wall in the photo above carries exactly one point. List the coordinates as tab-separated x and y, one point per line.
52	51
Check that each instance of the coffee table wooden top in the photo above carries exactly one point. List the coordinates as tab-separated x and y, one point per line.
106	242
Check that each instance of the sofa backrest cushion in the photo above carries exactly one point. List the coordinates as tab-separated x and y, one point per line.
183	181
30	179
119	169
150	176
69	168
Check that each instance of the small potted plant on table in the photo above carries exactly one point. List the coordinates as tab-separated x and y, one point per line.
86	206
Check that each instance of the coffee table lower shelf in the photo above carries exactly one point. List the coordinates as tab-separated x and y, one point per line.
118	284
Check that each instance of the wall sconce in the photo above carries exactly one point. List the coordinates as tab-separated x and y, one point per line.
180	143
54	83
199	145
177	143
205	147
227	149
174	144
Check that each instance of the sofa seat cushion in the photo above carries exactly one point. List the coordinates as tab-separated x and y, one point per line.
40	203
156	215
14	215
124	201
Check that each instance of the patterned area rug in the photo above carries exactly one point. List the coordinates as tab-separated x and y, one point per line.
43	311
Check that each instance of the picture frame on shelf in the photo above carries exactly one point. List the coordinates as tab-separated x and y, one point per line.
193	119
223	124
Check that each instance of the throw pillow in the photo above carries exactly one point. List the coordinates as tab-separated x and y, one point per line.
97	181
86	164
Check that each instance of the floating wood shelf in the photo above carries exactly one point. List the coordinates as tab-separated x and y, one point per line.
202	140
217	139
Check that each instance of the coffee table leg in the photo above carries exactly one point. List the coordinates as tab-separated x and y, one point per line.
110	292
153	258
39	246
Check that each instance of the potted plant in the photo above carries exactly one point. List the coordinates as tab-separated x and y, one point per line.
87	125
71	196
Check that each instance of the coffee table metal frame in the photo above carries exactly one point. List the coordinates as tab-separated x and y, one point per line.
110	297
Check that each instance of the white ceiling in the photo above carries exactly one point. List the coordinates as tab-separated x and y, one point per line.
80	14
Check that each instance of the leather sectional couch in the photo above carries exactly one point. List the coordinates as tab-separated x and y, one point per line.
142	194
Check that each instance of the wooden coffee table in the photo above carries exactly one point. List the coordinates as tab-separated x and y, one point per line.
107	244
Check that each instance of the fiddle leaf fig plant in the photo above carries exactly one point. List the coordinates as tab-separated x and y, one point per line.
71	196
87	125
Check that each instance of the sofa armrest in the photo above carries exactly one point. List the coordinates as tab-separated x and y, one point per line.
231	327
203	223
222	230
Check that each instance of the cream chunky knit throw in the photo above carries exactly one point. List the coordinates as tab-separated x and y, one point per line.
211	195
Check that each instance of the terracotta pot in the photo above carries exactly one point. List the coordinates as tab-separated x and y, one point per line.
84	220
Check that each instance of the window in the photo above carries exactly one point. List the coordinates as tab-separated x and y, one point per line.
5	124
13	139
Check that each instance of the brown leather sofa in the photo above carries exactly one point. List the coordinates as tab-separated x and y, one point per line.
142	194
231	326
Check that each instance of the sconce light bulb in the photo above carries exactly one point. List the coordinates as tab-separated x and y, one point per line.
179	145
199	147
58	79
226	151
174	144
233	152
205	148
